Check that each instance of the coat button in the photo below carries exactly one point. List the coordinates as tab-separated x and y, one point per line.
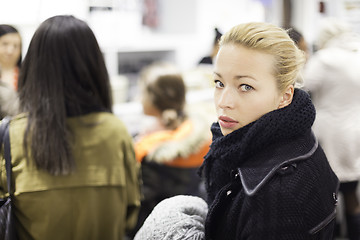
335	199
234	174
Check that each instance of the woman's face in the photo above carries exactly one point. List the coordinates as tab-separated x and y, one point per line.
245	87
10	49
148	106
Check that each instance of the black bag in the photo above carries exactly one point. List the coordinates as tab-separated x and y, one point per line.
7	220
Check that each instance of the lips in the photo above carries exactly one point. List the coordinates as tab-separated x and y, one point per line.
227	122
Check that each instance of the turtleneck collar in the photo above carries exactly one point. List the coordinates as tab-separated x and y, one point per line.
230	152
280	124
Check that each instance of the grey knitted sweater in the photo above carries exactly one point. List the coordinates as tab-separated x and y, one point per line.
180	217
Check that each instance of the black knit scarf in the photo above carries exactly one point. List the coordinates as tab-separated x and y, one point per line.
229	152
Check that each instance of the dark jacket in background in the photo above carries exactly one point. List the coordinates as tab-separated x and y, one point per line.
170	160
270	179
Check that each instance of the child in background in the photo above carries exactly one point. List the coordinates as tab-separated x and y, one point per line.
172	149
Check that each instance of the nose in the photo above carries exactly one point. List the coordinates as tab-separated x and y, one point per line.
225	98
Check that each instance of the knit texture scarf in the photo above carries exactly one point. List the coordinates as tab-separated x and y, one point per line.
229	152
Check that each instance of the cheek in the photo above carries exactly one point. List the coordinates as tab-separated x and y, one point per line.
255	109
17	53
268	104
216	99
149	108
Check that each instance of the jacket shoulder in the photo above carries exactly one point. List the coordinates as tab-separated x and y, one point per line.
311	187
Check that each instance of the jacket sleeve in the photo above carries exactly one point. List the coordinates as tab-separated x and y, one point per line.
132	171
2	177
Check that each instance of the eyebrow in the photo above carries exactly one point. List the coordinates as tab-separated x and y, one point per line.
238	76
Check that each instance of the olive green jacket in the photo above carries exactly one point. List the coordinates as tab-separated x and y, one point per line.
100	200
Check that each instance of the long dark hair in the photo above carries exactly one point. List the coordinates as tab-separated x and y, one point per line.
62	75
6	29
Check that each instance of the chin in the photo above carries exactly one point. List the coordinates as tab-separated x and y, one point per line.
226	131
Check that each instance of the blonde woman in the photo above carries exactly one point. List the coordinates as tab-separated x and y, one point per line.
266	175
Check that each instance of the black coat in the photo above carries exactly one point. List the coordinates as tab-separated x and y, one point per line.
270	179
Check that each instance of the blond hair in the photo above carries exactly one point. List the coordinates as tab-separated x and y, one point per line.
273	40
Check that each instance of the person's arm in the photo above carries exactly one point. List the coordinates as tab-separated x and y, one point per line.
314	73
132	170
179	217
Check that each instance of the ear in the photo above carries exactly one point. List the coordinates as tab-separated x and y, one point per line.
286	97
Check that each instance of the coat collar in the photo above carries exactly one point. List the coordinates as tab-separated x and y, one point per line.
166	145
257	171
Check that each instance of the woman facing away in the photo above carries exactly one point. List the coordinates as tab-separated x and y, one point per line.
10	55
73	162
266	175
173	148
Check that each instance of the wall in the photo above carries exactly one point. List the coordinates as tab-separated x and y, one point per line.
186	26
306	15
26	15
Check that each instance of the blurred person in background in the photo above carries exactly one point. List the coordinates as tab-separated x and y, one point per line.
10	54
73	163
215	48
172	149
299	40
332	76
9	101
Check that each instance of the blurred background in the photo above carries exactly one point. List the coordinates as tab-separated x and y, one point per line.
135	33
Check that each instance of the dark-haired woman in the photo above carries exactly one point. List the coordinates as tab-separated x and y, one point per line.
73	162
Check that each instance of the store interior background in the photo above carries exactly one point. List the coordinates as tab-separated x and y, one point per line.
182	33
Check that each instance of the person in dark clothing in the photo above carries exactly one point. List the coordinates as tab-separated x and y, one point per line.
299	40
215	49
266	175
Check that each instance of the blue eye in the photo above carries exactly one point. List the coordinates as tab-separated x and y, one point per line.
246	88
218	84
